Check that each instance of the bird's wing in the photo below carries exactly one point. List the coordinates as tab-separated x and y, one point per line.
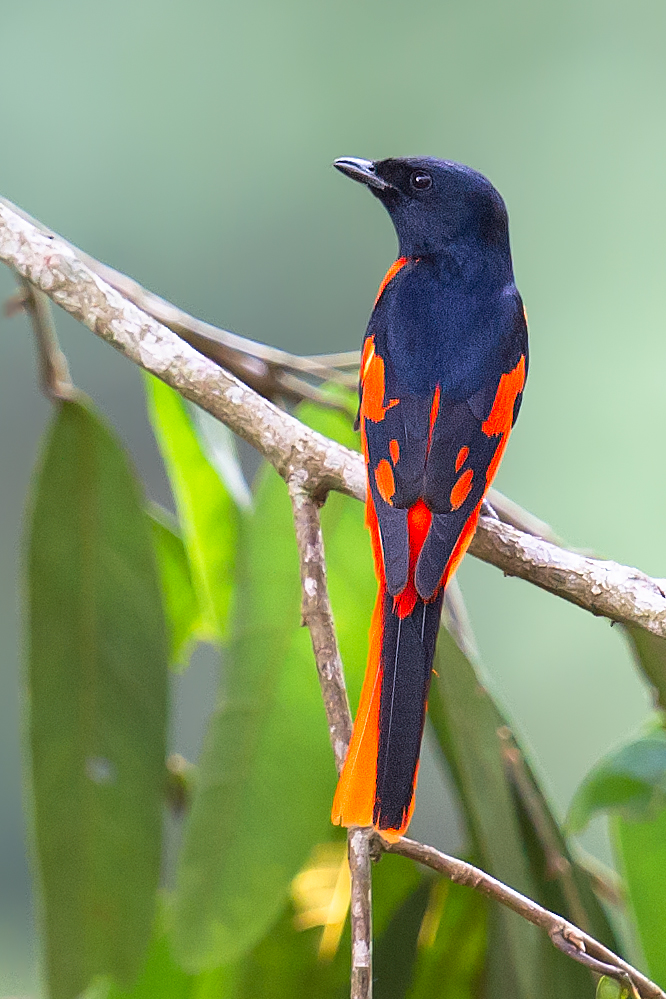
430	461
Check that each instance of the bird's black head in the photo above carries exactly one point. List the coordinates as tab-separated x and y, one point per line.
435	205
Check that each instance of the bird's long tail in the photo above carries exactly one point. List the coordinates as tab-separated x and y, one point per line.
378	780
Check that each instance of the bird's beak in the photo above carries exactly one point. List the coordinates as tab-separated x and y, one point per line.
362	171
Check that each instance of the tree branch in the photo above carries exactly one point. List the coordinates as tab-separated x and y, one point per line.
604	588
563	934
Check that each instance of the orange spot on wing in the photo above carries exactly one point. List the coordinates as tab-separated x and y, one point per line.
461	489
385	481
354	800
390	274
461	458
394	449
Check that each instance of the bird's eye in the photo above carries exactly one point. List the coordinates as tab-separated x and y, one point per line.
420	181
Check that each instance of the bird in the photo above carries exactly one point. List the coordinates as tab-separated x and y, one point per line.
443	366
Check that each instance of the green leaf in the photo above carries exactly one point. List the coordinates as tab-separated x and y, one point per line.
465	721
286	963
206	512
650	653
641	853
219	445
180	603
452	944
609	988
267	777
162	978
396	950
97	702
233	878
631	780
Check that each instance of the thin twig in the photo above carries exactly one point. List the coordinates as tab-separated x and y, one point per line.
563	934
601	587
317	615
361	913
54	376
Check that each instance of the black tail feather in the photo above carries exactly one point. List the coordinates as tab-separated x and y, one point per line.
408	648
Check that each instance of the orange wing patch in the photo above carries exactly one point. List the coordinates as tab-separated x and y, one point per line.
510	386
462	457
385	481
373	380
500	417
394	448
461	489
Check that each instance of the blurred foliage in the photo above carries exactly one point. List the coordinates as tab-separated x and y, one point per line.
97	698
631	781
609	988
650	655
630	784
261	891
206	511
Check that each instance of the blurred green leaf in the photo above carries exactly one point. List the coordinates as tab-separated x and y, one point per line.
465	722
650	653
206	512
452	944
250	826
609	988
395	952
162	978
97	687
631	780
180	602
219	445
289	958
641	853
394	879
267	776
285	964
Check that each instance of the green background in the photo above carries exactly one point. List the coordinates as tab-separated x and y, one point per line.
190	144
